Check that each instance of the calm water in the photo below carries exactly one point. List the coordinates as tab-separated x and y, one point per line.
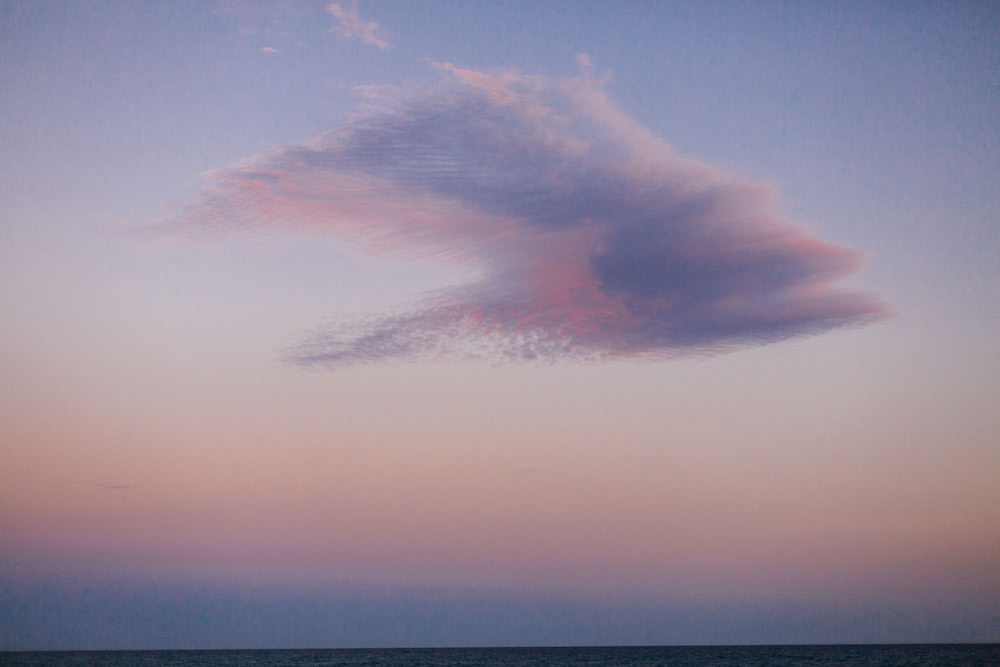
913	654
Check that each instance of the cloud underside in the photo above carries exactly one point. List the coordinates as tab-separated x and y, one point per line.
589	238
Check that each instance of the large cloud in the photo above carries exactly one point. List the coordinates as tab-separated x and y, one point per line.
590	237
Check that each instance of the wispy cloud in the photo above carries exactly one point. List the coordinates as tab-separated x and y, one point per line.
591	237
269	49
351	26
113	486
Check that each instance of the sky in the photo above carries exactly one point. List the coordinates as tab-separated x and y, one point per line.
456	323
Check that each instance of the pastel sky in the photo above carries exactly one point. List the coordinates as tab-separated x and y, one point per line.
457	323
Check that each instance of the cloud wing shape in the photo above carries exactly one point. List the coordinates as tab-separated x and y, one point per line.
591	238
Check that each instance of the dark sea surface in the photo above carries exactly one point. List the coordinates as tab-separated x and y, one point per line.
890	654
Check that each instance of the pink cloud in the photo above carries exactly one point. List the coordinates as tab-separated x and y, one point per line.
591	238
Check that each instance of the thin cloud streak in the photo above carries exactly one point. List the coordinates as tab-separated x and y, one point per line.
351	26
113	486
591	238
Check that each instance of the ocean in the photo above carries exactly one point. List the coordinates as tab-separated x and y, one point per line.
887	654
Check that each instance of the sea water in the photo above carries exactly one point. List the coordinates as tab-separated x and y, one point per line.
890	654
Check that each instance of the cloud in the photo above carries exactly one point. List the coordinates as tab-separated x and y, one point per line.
591	239
269	49
113	486
351	26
